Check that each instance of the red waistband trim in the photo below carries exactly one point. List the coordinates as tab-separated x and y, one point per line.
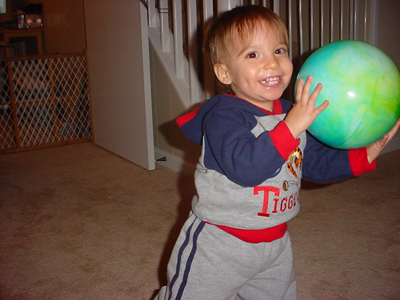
256	236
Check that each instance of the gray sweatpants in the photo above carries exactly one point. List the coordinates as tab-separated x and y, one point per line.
210	264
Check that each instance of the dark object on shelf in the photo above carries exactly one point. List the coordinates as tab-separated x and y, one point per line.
33	9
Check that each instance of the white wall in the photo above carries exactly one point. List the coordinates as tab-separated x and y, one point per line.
119	73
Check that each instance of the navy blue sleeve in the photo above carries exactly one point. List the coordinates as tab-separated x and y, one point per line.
233	150
323	164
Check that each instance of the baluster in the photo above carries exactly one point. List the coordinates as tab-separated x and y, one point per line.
178	39
164	26
193	51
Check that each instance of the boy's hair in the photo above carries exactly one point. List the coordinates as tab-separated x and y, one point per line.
240	21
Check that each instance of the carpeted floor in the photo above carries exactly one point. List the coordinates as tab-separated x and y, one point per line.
78	222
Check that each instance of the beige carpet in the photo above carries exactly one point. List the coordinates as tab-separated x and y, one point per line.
78	222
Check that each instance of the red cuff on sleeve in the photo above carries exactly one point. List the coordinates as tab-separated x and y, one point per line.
283	139
359	161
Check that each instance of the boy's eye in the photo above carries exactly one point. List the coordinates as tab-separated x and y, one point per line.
280	51
252	55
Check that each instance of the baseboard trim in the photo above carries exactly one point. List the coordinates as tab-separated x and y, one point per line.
174	163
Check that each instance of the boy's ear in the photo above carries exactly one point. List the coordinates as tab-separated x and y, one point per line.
221	71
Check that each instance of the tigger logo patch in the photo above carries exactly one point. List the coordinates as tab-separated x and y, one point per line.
295	161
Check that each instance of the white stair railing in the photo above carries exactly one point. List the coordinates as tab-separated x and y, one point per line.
176	30
168	35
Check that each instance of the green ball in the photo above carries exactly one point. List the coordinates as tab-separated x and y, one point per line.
362	85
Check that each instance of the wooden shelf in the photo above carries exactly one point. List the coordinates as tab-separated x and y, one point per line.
8	35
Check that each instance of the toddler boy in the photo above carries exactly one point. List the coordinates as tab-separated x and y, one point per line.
255	151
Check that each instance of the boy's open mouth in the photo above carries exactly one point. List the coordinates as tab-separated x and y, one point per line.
271	81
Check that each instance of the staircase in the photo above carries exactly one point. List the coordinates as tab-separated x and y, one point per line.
176	31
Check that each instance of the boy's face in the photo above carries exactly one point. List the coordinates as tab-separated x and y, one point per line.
258	69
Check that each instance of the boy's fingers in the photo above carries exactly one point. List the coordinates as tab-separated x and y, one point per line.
395	127
299	89
316	92
322	107
306	90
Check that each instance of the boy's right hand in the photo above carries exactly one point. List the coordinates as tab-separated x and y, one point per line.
304	112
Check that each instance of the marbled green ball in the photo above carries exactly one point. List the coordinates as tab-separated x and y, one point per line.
362	85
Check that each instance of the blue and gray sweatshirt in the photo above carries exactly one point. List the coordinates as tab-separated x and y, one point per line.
249	174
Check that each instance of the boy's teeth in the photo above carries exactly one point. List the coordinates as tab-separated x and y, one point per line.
271	80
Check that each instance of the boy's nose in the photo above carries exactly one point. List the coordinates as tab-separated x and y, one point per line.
271	63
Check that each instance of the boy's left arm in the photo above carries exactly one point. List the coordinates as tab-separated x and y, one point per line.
323	164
